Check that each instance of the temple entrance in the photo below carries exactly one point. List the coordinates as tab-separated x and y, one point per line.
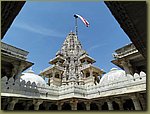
66	106
128	105
81	106
105	106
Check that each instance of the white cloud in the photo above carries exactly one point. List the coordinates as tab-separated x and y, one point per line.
39	30
96	46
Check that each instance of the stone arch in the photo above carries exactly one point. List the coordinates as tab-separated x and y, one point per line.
128	105
93	106
105	106
19	106
66	106
81	106
115	105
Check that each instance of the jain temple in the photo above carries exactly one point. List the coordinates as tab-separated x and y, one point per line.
73	82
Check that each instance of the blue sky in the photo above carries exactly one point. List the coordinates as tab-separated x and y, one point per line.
41	28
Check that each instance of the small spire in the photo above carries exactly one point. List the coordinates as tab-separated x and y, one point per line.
30	70
71	32
112	69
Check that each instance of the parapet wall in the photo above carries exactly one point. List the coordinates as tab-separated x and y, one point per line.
17	88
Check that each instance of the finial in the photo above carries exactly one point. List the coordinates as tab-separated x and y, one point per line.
112	69
30	70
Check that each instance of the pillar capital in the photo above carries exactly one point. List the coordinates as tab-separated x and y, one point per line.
37	104
73	103
136	102
108	100
99	106
87	103
120	103
109	103
133	96
59	104
12	103
126	66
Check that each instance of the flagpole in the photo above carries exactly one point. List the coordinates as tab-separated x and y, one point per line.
76	26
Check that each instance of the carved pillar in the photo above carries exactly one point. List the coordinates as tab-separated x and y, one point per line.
53	73
12	103
84	74
51	78
130	68
37	104
17	70
99	106
127	67
109	103
143	101
49	81
59	104
120	103
87	103
73	104
91	72
136	103
86	61
4	103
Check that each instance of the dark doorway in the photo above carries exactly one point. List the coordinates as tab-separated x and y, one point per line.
105	106
93	106
115	105
19	106
41	107
66	106
31	107
81	106
128	105
53	107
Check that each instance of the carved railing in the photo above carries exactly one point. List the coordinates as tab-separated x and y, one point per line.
128	84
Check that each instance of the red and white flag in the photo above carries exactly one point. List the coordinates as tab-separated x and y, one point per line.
83	20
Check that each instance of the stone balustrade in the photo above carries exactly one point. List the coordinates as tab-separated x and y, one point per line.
17	88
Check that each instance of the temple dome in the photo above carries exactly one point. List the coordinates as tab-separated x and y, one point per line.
114	75
30	76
